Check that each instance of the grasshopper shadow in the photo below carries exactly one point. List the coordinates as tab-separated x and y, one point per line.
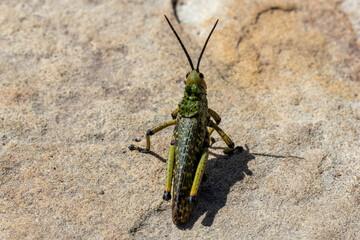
222	173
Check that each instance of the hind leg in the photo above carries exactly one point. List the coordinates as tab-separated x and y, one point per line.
169	170
198	175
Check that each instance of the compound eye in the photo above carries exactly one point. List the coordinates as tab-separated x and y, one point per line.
201	75
187	74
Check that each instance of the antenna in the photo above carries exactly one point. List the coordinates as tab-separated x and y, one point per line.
182	45
198	64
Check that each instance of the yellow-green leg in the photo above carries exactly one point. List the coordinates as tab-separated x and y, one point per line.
215	116
169	171
227	140
149	133
199	174
175	113
217	119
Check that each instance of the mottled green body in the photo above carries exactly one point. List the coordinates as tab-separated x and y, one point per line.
190	134
189	147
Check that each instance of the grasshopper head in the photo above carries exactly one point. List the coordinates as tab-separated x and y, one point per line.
194	100
195	77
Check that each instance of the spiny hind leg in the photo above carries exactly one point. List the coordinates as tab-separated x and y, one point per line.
207	143
227	140
198	175
169	170
149	133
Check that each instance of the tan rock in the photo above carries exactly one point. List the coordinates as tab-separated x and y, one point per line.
79	80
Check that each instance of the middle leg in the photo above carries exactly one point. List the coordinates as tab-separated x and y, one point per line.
151	132
216	117
227	140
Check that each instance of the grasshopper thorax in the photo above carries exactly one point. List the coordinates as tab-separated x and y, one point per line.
194	101
194	77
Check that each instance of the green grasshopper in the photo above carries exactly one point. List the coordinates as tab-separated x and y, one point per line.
189	146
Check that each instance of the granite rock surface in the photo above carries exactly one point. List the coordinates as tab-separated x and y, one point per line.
82	80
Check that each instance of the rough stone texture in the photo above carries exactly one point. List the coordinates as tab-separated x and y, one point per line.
81	80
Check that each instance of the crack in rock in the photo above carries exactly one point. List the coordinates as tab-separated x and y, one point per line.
275	8
258	15
174	3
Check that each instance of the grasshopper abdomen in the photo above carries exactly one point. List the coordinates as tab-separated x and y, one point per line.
190	134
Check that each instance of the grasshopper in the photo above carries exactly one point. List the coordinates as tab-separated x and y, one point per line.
189	146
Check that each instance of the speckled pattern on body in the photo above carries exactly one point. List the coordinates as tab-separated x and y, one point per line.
189	138
186	161
190	134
